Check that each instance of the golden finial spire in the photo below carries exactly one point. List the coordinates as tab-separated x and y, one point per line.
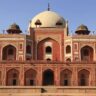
48	6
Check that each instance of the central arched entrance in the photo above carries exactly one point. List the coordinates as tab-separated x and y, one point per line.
48	77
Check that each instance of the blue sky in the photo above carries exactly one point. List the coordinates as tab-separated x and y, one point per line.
22	11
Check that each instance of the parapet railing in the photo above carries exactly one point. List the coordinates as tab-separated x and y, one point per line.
45	62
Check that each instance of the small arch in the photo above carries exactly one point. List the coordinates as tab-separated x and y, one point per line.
83	77
68	49
65	77
9	53
47	39
48	50
48	59
48	77
12	78
68	60
87	53
30	77
28	49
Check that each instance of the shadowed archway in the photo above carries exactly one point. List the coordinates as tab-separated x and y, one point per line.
87	53
65	77
12	78
9	53
30	77
48	77
83	77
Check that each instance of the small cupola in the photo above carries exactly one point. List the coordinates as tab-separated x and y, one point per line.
82	30
59	23
38	22
14	29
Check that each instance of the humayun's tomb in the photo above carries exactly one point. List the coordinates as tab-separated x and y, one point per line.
47	61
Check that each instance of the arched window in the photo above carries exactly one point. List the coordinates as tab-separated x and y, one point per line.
65	77
48	59
87	53
12	77
30	77
68	60
48	50
68	49
9	53
20	46
83	78
28	49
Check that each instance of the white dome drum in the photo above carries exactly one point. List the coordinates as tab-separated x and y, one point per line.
48	19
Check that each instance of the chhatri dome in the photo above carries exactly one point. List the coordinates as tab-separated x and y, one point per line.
47	19
14	28
82	29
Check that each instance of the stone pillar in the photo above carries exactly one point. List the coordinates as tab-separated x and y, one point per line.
39	76
92	81
57	76
3	75
74	77
21	75
36	50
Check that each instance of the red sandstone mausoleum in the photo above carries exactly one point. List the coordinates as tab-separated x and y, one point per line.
47	61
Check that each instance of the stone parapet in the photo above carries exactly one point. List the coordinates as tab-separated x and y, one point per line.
46	91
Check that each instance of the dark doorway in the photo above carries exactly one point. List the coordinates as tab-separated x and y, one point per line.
14	82
82	82
32	82
65	82
48	77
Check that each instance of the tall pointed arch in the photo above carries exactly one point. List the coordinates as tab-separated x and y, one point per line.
12	78
9	53
87	53
83	77
30	77
48	77
65	77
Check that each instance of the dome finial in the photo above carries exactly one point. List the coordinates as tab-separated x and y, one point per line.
48	6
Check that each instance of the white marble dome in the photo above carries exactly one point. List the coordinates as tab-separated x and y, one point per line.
47	19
